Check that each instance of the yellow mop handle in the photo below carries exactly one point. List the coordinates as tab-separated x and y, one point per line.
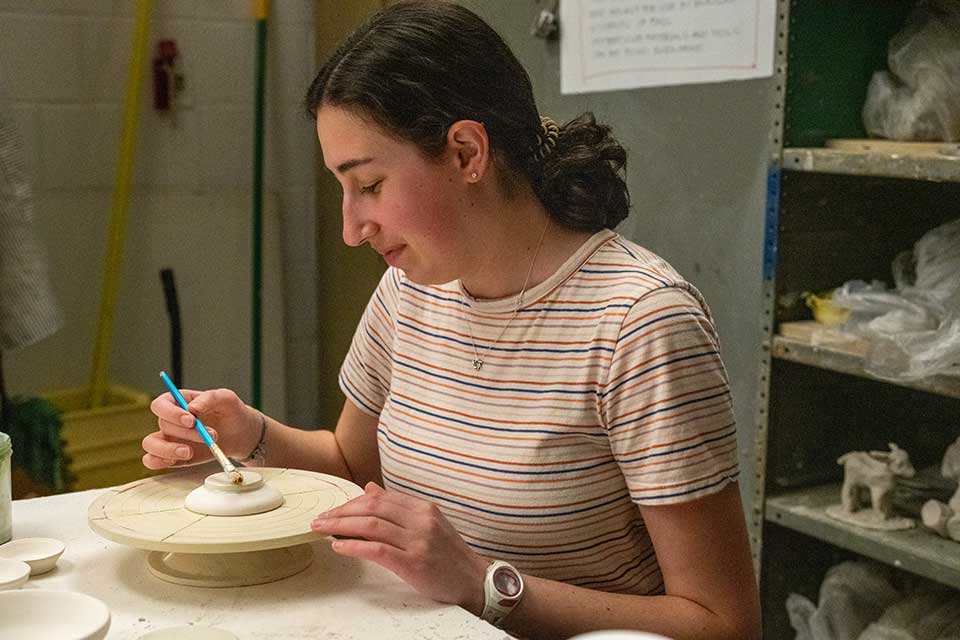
262	10
121	194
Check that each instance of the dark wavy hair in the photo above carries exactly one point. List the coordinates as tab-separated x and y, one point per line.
417	67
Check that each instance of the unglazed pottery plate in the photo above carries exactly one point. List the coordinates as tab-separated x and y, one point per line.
40	553
616	634
13	574
52	615
190	632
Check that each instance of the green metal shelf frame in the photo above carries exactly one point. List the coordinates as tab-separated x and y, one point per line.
816	98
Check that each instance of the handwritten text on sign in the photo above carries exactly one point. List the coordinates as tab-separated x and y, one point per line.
619	44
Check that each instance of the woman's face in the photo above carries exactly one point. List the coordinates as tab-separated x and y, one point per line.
409	209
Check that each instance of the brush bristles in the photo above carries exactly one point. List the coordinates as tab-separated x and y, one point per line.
235	476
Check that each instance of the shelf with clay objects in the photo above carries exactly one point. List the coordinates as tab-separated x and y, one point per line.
930	161
917	550
794	342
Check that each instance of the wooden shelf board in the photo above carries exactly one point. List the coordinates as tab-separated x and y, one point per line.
916	550
851	362
883	162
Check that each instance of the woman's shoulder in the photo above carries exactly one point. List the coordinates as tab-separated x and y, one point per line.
633	270
639	280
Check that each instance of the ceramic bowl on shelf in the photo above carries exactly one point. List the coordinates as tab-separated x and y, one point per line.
40	553
13	574
52	615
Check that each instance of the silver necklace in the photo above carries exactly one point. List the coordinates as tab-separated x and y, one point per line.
478	361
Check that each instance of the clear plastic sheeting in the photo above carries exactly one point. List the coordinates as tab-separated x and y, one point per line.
914	329
926	615
861	601
918	99
852	595
28	310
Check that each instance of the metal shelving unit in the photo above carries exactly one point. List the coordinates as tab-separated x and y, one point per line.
917	550
839	207
841	361
935	167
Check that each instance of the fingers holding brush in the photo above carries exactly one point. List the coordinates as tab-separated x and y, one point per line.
177	442
163	451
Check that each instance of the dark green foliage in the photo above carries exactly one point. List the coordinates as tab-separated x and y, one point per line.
33	425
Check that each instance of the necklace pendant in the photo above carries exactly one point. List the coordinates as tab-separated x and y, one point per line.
478	364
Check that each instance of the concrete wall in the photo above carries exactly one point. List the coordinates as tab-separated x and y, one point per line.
697	175
63	73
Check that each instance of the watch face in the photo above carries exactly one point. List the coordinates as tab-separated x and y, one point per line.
506	581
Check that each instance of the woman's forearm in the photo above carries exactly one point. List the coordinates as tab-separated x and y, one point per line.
553	609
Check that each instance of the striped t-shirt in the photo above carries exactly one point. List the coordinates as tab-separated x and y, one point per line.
604	392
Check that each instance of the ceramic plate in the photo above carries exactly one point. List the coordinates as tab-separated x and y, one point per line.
615	634
52	615
190	632
13	573
40	553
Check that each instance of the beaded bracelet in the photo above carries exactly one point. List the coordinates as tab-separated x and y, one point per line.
259	452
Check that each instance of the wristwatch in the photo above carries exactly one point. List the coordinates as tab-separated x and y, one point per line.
502	590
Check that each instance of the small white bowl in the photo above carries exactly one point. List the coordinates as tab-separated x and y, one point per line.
13	574
52	615
40	553
617	634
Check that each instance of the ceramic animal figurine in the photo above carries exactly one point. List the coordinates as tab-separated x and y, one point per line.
875	471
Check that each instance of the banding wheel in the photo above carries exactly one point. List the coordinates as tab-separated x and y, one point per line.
219	551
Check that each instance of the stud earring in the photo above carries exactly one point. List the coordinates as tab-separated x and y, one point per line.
474	175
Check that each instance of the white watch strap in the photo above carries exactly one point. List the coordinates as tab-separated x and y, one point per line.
497	605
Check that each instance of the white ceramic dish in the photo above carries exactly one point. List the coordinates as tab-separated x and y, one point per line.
40	553
189	632
52	615
13	574
615	634
218	496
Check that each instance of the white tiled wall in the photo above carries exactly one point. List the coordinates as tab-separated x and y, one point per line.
63	74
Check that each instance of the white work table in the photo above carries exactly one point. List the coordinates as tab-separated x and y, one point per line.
335	597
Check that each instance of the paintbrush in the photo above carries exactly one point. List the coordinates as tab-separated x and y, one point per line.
235	476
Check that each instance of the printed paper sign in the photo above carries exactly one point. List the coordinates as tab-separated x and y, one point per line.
624	44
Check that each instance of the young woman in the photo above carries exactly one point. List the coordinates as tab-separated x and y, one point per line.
535	405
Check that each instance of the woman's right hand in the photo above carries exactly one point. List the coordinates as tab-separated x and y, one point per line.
233	425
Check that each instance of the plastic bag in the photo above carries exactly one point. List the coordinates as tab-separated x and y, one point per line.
878	310
914	330
852	595
919	616
919	97
942	622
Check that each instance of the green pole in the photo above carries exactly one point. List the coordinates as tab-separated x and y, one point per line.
257	230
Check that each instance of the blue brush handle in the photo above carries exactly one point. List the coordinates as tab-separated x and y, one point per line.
183	405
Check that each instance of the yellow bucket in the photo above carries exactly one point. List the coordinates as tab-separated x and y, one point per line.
103	444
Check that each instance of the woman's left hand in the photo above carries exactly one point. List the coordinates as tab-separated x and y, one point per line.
411	538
